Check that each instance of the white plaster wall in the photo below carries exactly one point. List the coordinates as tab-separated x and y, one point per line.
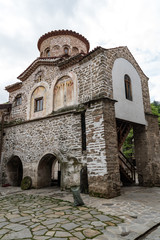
125	109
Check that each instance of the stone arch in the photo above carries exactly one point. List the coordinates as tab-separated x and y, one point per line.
65	91
123	52
47	52
14	171
56	50
75	50
129	105
66	49
126	54
46	169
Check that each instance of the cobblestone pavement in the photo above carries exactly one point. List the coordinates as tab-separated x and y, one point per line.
49	214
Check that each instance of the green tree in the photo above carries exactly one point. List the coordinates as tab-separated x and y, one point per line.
155	107
128	146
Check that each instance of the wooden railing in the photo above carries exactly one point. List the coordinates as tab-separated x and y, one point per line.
123	129
127	166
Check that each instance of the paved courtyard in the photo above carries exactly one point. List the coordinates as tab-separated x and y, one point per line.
49	214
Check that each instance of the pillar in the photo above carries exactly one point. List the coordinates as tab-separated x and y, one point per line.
147	151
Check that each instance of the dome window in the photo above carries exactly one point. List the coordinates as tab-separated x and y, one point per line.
66	50
47	52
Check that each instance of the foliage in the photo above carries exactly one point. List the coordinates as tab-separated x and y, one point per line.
155	107
128	146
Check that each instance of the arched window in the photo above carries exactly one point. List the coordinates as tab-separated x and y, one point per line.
47	51
128	88
63	93
18	100
66	50
38	102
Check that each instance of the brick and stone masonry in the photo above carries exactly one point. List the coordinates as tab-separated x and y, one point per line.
76	125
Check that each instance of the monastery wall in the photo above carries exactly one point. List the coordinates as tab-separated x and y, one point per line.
59	135
78	106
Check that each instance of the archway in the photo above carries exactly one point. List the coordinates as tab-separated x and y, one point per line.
14	171
49	172
126	153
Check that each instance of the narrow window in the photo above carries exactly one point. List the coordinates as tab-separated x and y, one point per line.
66	50
38	104
83	129
128	89
18	100
47	52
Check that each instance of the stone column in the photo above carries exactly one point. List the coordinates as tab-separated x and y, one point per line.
147	152
102	150
111	143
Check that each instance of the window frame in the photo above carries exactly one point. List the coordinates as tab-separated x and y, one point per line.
48	52
18	100
38	105
128	87
66	49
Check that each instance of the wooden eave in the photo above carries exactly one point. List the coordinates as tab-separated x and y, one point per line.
5	106
13	87
78	58
61	61
70	61
39	61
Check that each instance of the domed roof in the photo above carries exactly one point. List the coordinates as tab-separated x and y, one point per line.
62	32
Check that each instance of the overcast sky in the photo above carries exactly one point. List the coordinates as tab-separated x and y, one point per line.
106	23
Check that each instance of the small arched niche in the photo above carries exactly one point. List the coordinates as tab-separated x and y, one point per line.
14	171
75	51
38	102
63	93
56	50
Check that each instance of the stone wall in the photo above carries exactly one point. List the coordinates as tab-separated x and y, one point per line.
147	151
56	45
102	153
88	76
60	134
122	52
94	78
31	141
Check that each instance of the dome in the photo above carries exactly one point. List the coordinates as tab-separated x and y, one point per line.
62	43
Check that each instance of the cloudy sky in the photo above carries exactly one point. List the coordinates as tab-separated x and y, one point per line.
106	23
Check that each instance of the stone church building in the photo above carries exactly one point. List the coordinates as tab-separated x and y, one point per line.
68	116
